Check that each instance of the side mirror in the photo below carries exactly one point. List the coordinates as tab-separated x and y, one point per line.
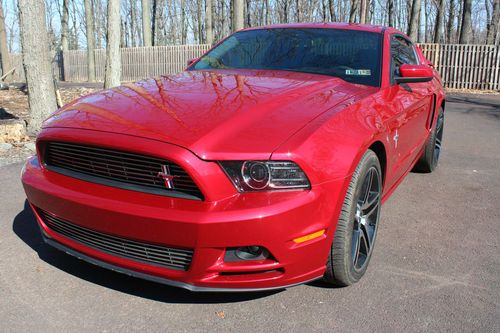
414	73
190	61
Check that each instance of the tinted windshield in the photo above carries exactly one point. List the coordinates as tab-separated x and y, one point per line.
351	55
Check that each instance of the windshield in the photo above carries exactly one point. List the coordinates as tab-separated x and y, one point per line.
351	55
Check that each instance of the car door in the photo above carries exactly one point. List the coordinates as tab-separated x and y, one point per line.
411	103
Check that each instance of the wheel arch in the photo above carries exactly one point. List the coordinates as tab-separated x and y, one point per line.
379	149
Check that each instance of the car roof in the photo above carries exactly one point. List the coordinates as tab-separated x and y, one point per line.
327	25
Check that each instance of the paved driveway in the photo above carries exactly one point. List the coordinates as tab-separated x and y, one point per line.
436	266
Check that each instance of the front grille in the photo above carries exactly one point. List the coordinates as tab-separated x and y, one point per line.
163	256
120	169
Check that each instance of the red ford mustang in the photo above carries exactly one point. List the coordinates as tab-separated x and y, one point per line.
263	165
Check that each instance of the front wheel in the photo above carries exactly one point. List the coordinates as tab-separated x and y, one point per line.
357	225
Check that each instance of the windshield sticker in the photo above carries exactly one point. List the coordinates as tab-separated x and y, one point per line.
358	72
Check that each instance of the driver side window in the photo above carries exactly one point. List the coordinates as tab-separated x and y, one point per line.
402	52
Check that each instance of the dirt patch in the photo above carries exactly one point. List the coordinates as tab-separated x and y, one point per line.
14	102
14	110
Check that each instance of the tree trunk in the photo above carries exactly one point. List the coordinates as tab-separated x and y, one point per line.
159	22
333	17
390	13
75	44
4	50
438	30
113	59
36	63
451	20
363	10
65	26
183	22
208	23
89	20
133	22
199	21
146	23
493	31
466	30
414	25
323	10
297	10
354	9
268	17
238	16
248	13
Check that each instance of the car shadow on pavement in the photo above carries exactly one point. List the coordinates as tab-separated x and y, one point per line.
26	228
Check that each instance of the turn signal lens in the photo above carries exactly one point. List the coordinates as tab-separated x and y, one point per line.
309	237
265	175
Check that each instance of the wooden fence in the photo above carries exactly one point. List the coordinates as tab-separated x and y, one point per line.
461	66
137	62
466	66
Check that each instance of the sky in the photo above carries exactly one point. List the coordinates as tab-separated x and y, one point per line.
12	25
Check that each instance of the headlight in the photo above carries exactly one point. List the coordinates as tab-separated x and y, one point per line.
265	175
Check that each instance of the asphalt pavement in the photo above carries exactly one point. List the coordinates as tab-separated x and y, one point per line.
436	265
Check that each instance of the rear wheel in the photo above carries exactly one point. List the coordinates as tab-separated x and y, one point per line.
358	223
432	150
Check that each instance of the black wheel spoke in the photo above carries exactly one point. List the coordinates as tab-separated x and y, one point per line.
355	246
438	143
372	207
367	187
365	238
366	217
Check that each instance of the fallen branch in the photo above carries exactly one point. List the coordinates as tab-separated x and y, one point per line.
6	74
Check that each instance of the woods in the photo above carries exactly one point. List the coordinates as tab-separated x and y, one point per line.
173	22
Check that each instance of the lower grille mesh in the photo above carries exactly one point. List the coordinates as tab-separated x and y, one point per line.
172	258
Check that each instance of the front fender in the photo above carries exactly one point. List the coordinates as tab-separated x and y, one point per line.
330	147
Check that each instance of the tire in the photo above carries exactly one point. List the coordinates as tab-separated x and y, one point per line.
429	160
358	222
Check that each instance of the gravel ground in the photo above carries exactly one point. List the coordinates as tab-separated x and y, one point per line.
436	266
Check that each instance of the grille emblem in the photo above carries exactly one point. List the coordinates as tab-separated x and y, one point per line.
166	176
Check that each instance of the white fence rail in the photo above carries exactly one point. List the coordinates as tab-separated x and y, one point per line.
475	67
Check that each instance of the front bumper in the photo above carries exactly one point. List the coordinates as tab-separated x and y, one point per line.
272	220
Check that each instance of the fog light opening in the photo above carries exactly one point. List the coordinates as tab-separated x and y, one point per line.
243	253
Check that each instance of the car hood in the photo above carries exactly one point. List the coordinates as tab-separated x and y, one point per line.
223	114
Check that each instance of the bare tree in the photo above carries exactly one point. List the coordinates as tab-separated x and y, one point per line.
35	41
4	50
113	59
354	9
333	16
183	22
89	20
363	11
208	19
451	20
466	29
438	29
146	23
238	16
494	27
65	26
414	25
390	13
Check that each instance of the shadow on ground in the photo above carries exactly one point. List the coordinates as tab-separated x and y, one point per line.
487	104
26	228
